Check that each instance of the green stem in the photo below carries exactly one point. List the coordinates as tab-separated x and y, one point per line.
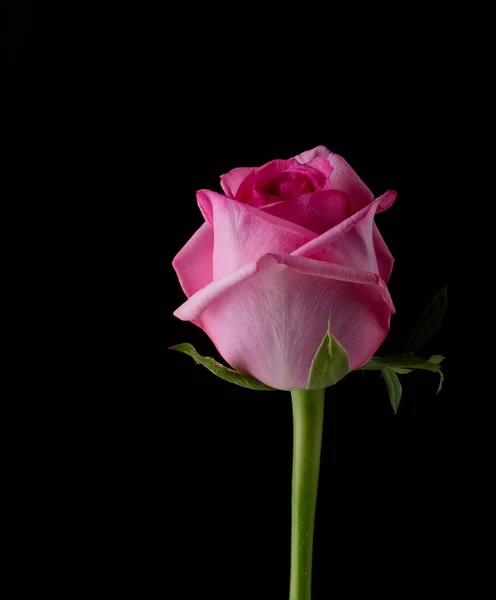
308	419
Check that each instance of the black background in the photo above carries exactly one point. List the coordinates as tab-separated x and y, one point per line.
191	485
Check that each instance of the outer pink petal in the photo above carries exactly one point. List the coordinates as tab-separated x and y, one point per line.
318	211
385	260
352	243
269	318
344	178
242	234
320	163
309	155
194	307
193	263
230	181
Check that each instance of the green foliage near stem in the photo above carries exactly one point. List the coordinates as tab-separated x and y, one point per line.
330	363
402	364
437	359
429	322
406	363
220	370
394	388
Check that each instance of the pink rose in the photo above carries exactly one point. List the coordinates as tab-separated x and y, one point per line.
288	244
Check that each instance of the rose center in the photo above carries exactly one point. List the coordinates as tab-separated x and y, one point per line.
291	185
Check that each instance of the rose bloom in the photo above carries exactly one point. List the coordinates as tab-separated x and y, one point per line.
287	245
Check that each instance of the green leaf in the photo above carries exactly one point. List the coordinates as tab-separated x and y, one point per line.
220	370
405	363
430	321
441	380
376	363
437	359
393	385
401	361
330	363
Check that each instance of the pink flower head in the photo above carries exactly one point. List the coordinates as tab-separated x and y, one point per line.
288	244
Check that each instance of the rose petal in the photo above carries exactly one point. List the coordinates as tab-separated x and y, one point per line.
321	164
344	178
385	260
268	318
280	179
317	212
309	155
242	234
351	242
231	181
192	309
193	263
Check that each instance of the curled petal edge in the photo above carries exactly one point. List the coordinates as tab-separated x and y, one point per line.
192	309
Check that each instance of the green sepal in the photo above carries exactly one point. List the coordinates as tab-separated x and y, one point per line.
220	370
394	388
330	363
